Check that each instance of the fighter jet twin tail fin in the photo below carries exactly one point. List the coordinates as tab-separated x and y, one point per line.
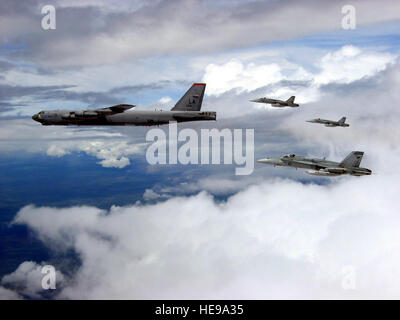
352	160
291	99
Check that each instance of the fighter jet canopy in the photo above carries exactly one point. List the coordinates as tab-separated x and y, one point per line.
289	155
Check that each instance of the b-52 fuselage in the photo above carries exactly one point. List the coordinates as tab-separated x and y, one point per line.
186	109
278	103
331	123
321	167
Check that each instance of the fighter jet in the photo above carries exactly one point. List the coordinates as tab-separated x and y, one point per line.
331	123
186	109
277	103
321	167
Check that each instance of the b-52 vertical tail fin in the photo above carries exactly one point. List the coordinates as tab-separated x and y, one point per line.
192	99
352	160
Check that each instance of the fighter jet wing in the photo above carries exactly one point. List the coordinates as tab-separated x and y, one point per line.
304	162
319	120
119	108
326	121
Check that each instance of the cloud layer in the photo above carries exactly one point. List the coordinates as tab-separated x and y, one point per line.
168	27
259	244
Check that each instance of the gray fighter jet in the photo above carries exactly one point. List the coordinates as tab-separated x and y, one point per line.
186	109
321	167
277	103
331	123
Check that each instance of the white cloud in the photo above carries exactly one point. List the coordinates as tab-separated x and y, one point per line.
278	239
150	195
346	65
165	100
113	153
112	148
214	184
234	75
27	280
350	64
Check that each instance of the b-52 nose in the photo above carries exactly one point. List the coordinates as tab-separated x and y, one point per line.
36	117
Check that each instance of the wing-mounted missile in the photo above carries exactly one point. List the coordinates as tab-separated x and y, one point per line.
336	170
322	172
360	172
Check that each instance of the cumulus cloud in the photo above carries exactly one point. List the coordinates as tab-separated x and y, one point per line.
234	75
27	280
150	195
112	153
272	240
345	65
114	149
350	64
216	184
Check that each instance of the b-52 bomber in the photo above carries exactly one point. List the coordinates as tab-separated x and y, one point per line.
331	123
278	103
321	167
186	109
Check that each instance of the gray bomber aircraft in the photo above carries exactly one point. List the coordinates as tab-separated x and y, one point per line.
186	109
331	123
278	103
321	167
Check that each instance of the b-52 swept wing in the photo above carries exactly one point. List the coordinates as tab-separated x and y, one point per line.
90	114
321	167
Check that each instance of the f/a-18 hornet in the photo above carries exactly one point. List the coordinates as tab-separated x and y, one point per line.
331	123
186	109
278	103
321	167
